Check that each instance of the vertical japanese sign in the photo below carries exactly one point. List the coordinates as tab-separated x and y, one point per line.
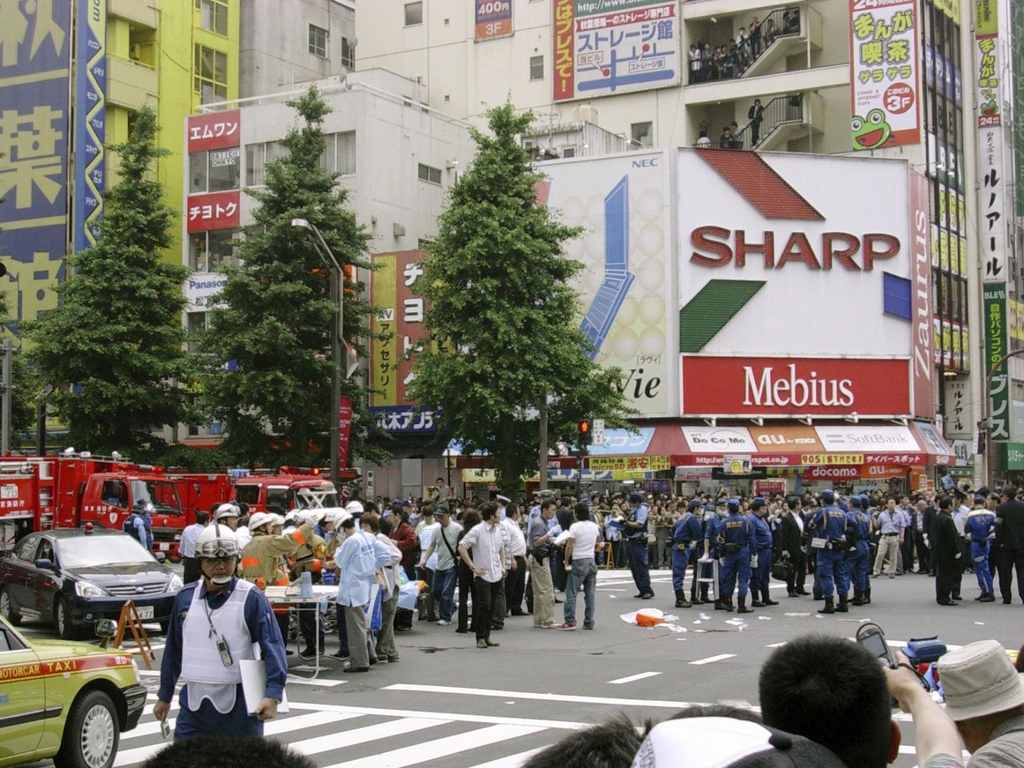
992	191
216	133
957	418
345	430
883	64
493	19
90	121
35	62
603	47
996	346
401	314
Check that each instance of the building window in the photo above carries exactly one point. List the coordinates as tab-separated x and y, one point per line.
318	41
210	76
348	54
215	170
213	15
209	251
536	67
413	14
257	157
429	173
642	134
340	153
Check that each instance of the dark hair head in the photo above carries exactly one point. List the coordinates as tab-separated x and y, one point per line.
202	517
228	752
1009	491
547	504
793	502
488	511
581	511
471	518
611	744
717	710
945	502
385	525
370	521
833	692
348	522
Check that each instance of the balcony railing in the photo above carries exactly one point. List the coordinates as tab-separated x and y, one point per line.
782	110
731	60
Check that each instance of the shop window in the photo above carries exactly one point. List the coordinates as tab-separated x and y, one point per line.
215	170
210	251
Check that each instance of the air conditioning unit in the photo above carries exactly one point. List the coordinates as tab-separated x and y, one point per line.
135	52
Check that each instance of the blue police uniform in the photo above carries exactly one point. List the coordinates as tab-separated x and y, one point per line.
860	558
980	525
705	570
760	577
736	536
685	535
636	547
830	523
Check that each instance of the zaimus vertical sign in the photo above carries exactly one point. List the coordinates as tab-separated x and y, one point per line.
922	363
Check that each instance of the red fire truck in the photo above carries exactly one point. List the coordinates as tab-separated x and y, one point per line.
290	488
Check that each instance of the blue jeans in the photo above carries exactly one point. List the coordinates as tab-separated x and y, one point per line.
443	590
584	572
636	553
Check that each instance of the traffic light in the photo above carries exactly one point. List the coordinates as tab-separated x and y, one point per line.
583	431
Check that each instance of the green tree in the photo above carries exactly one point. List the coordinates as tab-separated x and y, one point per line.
503	318
113	348
275	402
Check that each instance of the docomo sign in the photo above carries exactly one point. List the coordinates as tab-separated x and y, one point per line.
752	386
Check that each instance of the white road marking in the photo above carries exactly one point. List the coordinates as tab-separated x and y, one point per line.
529	695
342	739
512	761
713	659
631	678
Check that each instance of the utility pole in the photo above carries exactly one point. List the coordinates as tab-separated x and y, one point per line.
543	458
5	422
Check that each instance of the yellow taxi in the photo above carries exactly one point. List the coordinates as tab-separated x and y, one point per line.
68	701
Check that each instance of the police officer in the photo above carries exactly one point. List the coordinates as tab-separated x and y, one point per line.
829	523
860	558
636	546
738	543
760	579
703	568
685	535
980	529
713	549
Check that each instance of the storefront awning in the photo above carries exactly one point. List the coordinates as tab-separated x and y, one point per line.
779	445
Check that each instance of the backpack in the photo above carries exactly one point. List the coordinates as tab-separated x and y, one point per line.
129	527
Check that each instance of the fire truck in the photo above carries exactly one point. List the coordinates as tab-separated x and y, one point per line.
39	493
290	488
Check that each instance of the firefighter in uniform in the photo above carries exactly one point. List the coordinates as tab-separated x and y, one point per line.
760	580
685	535
264	557
829	523
980	529
310	558
861	556
736	537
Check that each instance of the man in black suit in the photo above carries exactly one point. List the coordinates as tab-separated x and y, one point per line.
930	513
564	517
791	547
948	555
1009	544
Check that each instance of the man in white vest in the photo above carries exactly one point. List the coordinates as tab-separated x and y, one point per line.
216	622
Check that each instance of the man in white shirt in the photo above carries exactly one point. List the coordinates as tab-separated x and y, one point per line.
580	550
426	565
187	548
515	582
489	564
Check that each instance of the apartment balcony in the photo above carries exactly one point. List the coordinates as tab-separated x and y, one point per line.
142	13
800	80
130	84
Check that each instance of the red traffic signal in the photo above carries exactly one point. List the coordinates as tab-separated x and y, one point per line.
584	427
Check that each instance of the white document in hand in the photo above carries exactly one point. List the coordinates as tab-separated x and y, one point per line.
254	686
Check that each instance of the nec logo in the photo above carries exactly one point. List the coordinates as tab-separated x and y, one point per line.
650	162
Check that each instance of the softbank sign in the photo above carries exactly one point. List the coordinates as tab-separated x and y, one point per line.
805	256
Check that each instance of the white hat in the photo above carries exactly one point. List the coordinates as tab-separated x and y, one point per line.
276	519
227	510
259	519
979	679
504	500
354	508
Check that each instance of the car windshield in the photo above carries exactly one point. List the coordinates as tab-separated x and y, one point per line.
161	493
86	551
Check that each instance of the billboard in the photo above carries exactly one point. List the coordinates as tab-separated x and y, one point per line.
35	62
758	232
614	46
790	386
883	73
493	19
623	205
397	328
996	347
90	121
992	192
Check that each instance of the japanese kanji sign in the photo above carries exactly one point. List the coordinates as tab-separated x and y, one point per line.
883	64
216	130
219	210
992	190
90	120
35	61
493	19
996	346
644	463
602	47
401	314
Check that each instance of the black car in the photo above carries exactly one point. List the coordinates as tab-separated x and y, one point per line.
76	576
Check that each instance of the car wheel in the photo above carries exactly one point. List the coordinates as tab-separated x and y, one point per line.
62	618
91	733
7	608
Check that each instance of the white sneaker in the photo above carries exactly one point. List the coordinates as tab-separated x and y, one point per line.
443	623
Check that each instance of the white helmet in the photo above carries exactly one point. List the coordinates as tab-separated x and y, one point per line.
331	514
276	519
216	541
259	519
312	516
227	510
354	508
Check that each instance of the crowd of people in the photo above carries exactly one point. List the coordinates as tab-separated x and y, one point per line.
710	62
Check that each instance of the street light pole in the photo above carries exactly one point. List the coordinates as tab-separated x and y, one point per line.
986	411
337	296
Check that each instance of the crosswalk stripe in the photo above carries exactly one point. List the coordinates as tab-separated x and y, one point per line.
450	716
512	761
569	698
712	659
438	748
356	736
